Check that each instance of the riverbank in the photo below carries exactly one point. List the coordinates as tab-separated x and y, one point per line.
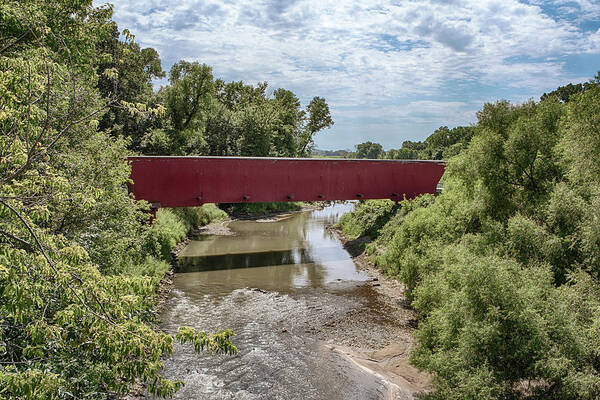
366	324
384	354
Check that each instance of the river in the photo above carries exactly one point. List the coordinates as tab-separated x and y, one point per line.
291	293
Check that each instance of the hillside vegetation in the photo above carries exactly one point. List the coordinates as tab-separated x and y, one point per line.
79	261
504	266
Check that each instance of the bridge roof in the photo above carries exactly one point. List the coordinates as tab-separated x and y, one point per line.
441	162
182	181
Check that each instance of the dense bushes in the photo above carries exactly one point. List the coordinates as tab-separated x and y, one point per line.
171	226
493	328
166	231
368	219
502	267
193	217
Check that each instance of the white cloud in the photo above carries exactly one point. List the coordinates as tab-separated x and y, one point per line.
364	54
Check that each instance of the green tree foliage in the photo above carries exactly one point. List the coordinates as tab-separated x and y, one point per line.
205	116
189	95
403	154
497	330
79	265
368	219
252	209
581	141
194	217
445	143
369	150
187	100
564	93
513	156
287	135
503	266
319	118
330	153
442	144
135	68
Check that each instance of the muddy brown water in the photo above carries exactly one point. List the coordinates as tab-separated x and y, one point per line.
275	282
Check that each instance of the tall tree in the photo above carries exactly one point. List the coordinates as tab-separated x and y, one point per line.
133	70
189	96
288	128
319	118
189	100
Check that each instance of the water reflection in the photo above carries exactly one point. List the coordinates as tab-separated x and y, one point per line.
300	270
245	260
292	252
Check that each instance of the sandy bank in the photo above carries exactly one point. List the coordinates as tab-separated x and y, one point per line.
387	357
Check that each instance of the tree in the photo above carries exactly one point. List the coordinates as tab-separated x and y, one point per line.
441	143
189	95
402	154
189	100
219	118
256	125
135	69
236	96
76	286
319	118
222	133
288	128
369	150
513	155
414	145
231	126
564	93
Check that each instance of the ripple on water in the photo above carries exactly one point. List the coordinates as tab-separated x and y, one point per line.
271	364
277	358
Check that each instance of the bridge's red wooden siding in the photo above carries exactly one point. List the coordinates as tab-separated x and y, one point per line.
192	181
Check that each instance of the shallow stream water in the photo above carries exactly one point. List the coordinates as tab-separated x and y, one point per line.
275	282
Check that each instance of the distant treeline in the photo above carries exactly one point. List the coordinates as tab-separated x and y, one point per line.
444	142
331	153
441	144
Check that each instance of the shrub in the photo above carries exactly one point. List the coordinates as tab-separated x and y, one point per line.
261	208
367	218
165	232
412	250
150	266
529	242
493	329
194	217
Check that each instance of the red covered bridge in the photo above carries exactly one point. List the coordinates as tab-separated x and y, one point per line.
192	181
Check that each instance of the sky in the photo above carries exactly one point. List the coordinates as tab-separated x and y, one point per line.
390	70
